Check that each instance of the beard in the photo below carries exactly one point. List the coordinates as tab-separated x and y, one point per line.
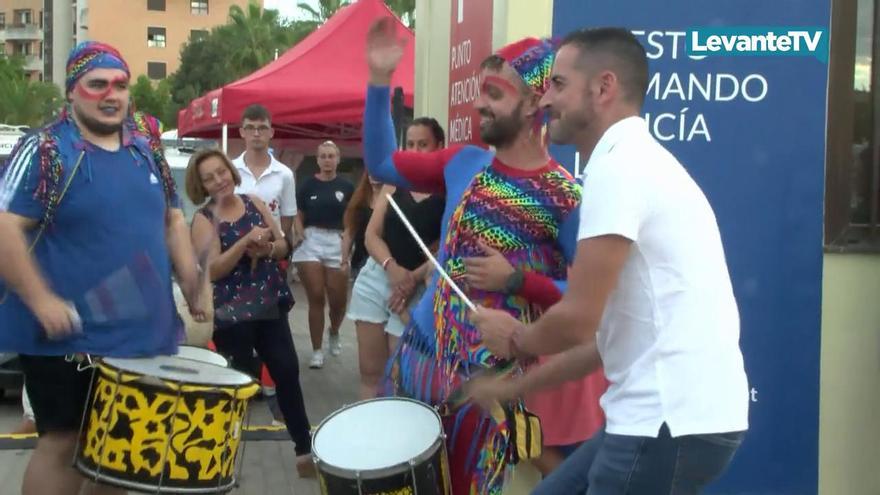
564	129
502	131
95	126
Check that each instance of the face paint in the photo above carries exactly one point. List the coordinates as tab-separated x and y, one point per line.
119	82
500	83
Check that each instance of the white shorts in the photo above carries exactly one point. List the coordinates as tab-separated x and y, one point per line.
369	299
320	245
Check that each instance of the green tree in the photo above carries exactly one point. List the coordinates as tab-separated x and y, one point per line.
22	101
155	99
326	9
247	42
257	34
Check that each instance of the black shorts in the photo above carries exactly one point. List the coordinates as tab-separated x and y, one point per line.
57	392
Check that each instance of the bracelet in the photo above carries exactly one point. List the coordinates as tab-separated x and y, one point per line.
387	260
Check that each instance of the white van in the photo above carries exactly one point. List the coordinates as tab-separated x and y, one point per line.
9	135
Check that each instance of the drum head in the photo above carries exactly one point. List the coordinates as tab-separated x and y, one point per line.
178	369
376	434
201	354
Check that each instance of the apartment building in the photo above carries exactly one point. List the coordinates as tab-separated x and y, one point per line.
21	33
149	33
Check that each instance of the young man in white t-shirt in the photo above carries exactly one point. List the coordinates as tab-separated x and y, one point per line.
261	174
649	294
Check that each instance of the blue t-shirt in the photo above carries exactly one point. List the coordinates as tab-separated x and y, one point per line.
105	252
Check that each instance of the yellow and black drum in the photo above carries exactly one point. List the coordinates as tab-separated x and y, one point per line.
164	425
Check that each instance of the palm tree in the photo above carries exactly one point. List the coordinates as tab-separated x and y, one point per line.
257	34
326	9
313	18
405	9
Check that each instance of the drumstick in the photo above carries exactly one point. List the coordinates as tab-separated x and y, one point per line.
427	252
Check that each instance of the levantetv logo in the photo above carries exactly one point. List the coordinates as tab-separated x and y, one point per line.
759	41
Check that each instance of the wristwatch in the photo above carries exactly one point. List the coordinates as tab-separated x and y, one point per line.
514	281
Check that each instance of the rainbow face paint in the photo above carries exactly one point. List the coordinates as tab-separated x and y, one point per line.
98	89
505	86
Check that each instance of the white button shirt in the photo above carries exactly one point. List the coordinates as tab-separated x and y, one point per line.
276	186
669	336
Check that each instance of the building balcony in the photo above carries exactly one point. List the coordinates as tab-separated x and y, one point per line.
14	32
33	63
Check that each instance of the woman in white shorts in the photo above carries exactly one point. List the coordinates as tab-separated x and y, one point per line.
321	202
393	277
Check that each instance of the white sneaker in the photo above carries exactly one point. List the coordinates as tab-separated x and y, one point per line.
317	361
335	345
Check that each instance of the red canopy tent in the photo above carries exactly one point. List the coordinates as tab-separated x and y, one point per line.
315	90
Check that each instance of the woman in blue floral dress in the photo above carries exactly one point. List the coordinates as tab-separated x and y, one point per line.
251	296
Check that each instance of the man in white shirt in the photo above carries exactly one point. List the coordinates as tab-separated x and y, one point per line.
261	174
649	294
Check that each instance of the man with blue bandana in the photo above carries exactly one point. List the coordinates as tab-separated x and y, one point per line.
90	227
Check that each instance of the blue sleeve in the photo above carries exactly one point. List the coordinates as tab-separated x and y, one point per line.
379	140
567	239
19	178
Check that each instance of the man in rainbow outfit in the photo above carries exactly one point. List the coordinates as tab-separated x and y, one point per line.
509	232
88	207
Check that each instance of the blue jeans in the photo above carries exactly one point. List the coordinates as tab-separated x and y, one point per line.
627	465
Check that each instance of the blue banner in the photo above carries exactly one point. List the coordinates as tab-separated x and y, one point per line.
750	129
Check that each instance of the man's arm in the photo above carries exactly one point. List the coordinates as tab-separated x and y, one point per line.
183	258
573	364
421	172
19	207
288	206
18	268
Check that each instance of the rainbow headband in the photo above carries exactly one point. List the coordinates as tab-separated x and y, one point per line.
90	55
532	59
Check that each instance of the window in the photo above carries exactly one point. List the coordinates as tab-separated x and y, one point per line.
199	7
23	17
156	5
23	49
2	20
156	37
41	19
156	70
852	202
198	34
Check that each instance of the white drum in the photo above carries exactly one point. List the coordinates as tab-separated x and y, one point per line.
202	355
387	445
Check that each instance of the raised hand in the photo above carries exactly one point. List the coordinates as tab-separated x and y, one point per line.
384	50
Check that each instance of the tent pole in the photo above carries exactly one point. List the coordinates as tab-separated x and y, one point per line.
225	137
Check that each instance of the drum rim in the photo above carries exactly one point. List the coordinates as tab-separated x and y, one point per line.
370	474
144	487
182	346
103	362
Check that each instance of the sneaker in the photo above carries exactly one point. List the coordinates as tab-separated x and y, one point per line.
317	361
335	345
